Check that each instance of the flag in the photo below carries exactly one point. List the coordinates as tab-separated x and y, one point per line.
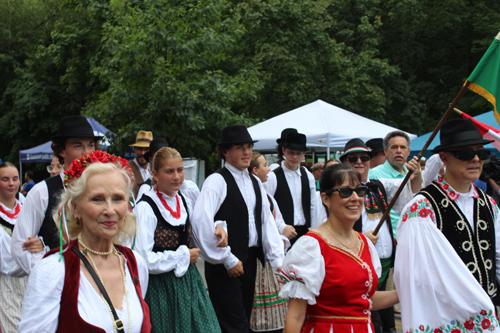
488	132
485	79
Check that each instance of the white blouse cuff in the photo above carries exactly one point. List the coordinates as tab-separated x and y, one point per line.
230	261
287	242
183	261
296	289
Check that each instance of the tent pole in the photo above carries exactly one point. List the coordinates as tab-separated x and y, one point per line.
314	155
20	172
327	153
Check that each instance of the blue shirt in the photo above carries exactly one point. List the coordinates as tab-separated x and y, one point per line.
28	186
386	170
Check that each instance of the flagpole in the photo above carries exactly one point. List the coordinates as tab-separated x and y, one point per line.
419	156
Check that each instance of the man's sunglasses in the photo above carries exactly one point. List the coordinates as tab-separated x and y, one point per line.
469	154
354	159
346	192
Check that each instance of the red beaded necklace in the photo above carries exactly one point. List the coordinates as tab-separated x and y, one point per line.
11	215
175	215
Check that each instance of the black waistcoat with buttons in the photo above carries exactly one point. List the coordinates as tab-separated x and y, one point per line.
234	211
476	247
284	198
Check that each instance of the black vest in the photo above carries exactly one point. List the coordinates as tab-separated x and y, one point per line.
148	182
284	197
234	211
48	229
375	184
169	237
476	249
9	228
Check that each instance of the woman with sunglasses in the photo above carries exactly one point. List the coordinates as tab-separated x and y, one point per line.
332	272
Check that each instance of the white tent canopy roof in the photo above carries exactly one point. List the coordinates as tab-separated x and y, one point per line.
325	125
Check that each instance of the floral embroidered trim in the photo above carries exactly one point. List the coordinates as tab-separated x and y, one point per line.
289	277
482	322
495	207
451	192
420	208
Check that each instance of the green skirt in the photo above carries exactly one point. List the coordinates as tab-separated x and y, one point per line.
180	304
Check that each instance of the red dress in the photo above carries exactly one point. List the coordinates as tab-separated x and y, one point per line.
344	299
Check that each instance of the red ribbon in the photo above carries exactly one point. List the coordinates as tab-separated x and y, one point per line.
175	215
11	215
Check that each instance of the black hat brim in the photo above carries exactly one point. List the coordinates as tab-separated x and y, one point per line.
438	149
294	146
235	142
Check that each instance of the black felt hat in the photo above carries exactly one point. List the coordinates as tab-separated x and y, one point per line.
458	133
236	134
284	134
376	145
355	146
74	127
295	141
154	146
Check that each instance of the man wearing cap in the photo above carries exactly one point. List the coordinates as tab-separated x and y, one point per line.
377	147
380	193
75	137
293	187
235	200
447	265
188	187
140	166
279	147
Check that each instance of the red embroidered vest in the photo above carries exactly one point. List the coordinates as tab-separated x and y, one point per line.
69	318
344	299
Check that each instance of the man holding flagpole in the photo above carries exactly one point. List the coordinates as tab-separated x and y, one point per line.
448	259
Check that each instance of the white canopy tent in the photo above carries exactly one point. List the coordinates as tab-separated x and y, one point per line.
326	127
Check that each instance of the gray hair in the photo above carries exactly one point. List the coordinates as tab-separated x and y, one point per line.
78	187
393	134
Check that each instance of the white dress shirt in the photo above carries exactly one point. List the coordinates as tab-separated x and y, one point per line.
293	179
166	261
212	196
145	173
28	225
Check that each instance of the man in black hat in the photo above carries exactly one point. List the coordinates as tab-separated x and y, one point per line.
377	147
450	217
293	187
380	193
188	187
235	200
279	147
75	137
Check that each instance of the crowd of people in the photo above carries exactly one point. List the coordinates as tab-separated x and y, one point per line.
110	245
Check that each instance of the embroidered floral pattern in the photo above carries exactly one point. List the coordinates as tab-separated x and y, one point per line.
421	208
495	207
447	188
481	323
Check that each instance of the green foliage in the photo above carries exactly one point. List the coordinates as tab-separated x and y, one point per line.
162	68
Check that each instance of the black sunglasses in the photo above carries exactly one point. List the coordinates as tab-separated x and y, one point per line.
346	192
354	159
469	154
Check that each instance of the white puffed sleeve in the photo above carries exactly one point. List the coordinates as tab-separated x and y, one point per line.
304	269
42	299
158	262
375	258
142	269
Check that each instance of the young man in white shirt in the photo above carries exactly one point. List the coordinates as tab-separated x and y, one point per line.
294	188
75	137
234	199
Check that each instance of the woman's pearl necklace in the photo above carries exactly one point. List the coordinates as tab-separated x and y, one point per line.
88	249
113	248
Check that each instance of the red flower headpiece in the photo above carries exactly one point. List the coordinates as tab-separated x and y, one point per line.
79	165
